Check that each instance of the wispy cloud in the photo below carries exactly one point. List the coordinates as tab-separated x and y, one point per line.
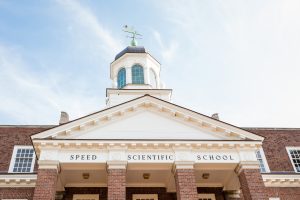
167	51
31	98
90	25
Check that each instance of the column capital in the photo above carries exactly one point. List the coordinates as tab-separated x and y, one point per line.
114	164
246	165
182	165
49	164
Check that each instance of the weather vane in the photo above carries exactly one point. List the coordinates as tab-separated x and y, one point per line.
133	33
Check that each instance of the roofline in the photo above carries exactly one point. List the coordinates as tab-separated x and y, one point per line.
159	100
137	53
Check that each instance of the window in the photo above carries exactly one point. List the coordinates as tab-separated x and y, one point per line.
206	197
137	73
263	165
22	160
153	79
294	154
145	197
121	78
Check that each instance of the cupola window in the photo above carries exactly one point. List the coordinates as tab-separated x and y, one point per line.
121	78
137	72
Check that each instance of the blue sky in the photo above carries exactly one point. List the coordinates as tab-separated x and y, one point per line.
238	58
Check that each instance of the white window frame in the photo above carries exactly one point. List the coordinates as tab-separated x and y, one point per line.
145	196
207	196
291	159
274	198
13	159
264	159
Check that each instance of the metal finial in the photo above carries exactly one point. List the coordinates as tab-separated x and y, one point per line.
133	33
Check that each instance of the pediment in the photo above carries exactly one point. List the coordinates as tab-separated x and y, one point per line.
147	118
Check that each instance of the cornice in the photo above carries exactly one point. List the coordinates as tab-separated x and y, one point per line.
281	180
149	103
18	180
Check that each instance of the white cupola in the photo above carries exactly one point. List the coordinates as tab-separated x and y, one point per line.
134	73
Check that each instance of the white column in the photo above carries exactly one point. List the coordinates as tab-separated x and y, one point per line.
128	75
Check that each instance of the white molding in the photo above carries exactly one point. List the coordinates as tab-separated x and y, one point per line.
246	165
288	152
48	164
281	180
13	158
116	164
194	119
18	180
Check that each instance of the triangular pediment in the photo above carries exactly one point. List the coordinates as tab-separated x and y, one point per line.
147	118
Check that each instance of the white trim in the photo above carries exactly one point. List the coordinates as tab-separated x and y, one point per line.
18	180
149	103
207	196
274	198
264	159
13	158
291	159
281	180
144	196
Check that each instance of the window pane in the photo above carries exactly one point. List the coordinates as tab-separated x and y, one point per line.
23	160
295	155
137	73
121	78
261	162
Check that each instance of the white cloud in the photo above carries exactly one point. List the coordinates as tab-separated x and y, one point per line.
91	27
243	55
31	98
167	52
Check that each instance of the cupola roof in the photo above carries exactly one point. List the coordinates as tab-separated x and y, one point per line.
131	49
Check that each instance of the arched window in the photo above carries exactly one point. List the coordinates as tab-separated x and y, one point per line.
137	73
121	78
152	79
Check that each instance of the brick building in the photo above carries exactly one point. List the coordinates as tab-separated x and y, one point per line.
143	147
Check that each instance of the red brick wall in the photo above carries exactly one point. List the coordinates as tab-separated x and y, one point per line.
16	193
45	188
186	184
274	146
10	136
284	193
252	184
116	182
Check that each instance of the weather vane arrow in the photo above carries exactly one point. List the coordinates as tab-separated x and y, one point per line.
133	35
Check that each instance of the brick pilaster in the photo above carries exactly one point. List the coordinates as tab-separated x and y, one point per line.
116	184
45	188
186	188
252	184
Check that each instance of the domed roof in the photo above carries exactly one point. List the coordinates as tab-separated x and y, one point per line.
131	49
